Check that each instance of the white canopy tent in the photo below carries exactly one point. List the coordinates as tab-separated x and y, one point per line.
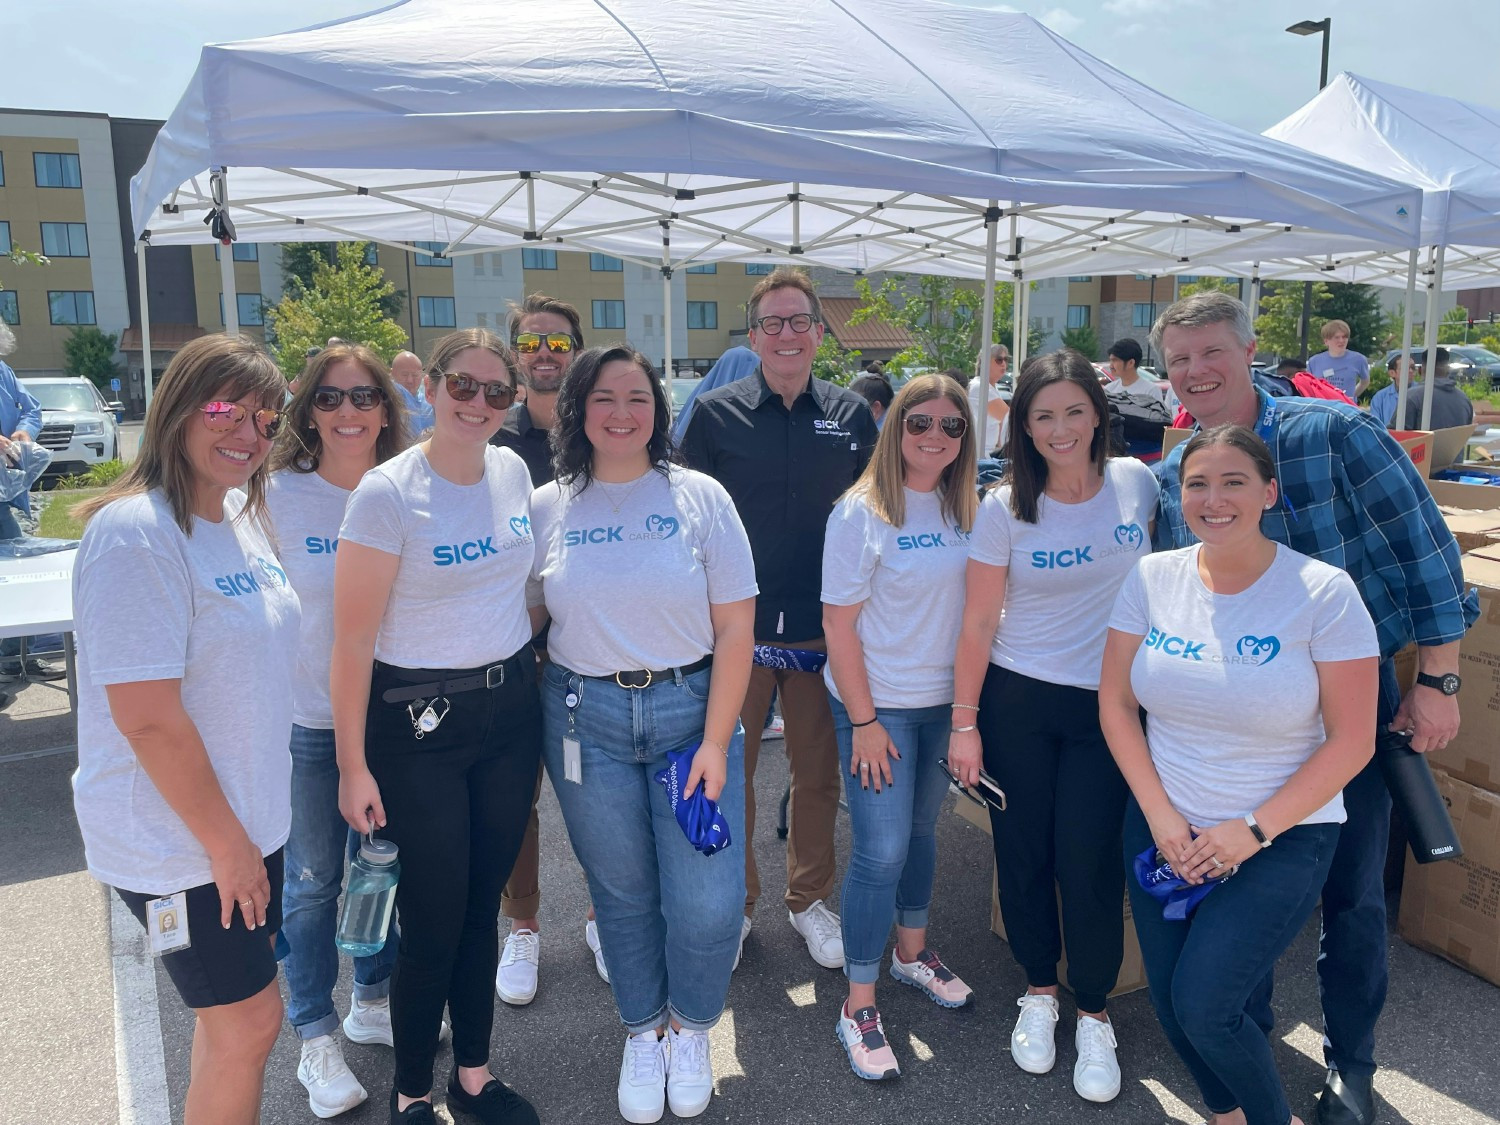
864	135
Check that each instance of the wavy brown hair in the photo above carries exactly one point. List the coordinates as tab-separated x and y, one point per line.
299	446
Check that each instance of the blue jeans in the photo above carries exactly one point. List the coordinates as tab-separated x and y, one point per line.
894	844
315	854
669	916
1206	973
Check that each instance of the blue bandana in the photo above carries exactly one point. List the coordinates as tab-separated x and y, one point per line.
792	659
702	822
1178	898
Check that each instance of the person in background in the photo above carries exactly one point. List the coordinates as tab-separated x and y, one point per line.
406	371
1383	402
877	391
997	409
892	563
1450	406
187	642
734	364
1346	370
1142	410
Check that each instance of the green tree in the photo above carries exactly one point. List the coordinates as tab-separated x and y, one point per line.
20	257
1358	306
90	354
834	362
300	260
1083	340
1278	328
345	299
1209	284
1454	326
941	316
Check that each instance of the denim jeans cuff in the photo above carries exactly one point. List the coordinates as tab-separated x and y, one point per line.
912	918
326	1025
650	1023
861	972
375	990
692	1024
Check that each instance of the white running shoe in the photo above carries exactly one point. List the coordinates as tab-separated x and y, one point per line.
515	979
744	933
591	939
1096	1074
332	1088
369	1021
1031	1043
642	1093
821	929
690	1072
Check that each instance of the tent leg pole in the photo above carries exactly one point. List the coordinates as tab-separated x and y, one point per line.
145	308
670	372
1408	312
228	297
1430	367
987	322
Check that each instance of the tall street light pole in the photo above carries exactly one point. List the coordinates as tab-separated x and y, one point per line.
1323	27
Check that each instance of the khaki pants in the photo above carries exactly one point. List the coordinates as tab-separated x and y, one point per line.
523	893
814	760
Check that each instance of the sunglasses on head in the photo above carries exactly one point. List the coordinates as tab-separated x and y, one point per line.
363	398
951	424
223	417
529	342
462	388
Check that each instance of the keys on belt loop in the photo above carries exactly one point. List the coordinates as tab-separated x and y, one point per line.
429	718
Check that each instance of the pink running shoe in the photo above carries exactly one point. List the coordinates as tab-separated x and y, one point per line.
933	977
863	1040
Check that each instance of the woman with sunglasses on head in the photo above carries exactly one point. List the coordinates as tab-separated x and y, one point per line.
187	633
1257	667
647	574
435	713
1051	546
893	565
343	420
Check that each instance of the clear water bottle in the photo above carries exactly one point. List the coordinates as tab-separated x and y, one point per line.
369	899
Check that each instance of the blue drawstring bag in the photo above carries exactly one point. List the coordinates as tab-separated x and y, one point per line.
702	822
1178	897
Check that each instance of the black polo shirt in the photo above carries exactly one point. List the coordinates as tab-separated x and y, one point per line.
527	440
784	469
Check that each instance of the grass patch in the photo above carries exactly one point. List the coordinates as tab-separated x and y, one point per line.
57	520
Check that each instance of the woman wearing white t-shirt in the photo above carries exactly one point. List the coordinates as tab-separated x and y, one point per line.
647	574
1050	548
1257	669
438	746
893	565
187	634
341	422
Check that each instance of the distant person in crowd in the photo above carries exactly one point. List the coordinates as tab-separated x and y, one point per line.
786	446
187	641
893	565
1250	741
343	421
1142	408
648	578
1347	495
437	723
1050	548
1450	406
1384	402
734	364
1280	384
406	371
1346	370
997	409
877	391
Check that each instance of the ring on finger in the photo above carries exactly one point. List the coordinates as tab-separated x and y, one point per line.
1217	861
246	902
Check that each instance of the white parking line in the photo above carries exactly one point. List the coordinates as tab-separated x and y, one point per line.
140	1069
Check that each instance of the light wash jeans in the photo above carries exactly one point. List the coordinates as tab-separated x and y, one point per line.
315	854
893	848
669	916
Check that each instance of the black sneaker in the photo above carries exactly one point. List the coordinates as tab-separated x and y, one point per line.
36	669
1346	1100
496	1104
418	1113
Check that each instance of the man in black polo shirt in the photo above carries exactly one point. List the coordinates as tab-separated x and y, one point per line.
786	446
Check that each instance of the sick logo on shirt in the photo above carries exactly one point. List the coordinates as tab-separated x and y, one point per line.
661	527
520	525
1258	650
1129	535
274	575
243	582
1249	649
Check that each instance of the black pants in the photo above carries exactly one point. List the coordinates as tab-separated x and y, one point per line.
1060	832
456	803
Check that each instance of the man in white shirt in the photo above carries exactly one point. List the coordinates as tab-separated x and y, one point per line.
997	407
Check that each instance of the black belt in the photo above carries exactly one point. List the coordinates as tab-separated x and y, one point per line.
649	676
423	686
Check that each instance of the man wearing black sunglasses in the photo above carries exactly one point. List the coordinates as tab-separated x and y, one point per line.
546	334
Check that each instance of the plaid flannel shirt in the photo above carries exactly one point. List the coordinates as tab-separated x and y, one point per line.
1351	497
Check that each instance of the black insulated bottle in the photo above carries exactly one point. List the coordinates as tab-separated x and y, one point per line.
1409	778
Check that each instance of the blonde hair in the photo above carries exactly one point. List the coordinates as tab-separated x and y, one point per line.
883	483
1334	328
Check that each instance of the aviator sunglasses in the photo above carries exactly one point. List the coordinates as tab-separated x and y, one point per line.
529	342
951	424
363	398
461	388
224	417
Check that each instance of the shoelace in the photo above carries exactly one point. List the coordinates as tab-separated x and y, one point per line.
1092	1042
867	1023
689	1053
645	1058
1036	1013
521	945
939	970
825	926
326	1062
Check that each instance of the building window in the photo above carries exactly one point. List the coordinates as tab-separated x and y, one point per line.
534	259
4	237
712	267
372	254
65	240
71	307
1187	279
10	308
251	306
703	314
605	263
243	252
758	269
1143	277
2	169
610	314
57	169
435	312
1085	277
428	259
1078	316
1141	316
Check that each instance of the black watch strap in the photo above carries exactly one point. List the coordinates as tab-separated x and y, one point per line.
1448	684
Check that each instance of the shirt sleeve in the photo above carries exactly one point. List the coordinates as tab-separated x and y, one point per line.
28	409
727	560
1342	628
850	555
120	649
695	448
1131	613
990	543
375	516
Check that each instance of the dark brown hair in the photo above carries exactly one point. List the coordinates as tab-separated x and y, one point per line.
299	445
1232	434
541	303
784	277
1026	471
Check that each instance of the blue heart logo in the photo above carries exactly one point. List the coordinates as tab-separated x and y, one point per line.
665	526
962	534
520	525
274	574
1129	535
1266	647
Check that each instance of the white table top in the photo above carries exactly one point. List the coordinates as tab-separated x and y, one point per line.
36	594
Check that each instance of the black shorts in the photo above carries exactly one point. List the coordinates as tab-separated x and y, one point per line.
220	966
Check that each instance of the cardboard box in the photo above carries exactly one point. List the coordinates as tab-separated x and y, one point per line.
1171	437
1132	976
977	815
1434	449
1474	497
1473	529
1474	756
1453	908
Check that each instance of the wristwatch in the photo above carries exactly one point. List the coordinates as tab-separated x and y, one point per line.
1447	684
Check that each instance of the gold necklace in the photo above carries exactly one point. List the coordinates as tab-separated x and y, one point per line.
616	506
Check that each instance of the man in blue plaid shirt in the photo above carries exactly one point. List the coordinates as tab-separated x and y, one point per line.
1349	496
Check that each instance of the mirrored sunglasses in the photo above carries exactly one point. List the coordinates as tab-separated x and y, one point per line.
950	424
528	343
223	417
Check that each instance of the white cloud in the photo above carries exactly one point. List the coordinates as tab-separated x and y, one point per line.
1138	7
1061	21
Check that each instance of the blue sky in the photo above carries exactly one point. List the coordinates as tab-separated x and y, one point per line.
1229	58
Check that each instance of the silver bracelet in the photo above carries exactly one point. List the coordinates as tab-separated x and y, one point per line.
961	730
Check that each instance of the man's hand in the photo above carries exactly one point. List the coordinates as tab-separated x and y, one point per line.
1429	716
21	435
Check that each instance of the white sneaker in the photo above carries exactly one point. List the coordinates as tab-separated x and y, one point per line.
643	1078
369	1021
1096	1074
515	979
1031	1043
331	1088
744	933
690	1072
591	939
821	929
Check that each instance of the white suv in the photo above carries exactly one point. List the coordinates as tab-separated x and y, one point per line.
78	426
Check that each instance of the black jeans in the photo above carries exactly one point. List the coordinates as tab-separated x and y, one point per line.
456	803
1060	833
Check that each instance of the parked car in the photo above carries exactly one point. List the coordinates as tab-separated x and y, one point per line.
78	425
1467	363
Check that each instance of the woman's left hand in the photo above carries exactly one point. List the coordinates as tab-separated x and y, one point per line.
711	766
1217	849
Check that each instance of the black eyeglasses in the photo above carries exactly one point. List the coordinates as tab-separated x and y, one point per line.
951	424
331	398
989	793
528	343
225	417
462	388
772	325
